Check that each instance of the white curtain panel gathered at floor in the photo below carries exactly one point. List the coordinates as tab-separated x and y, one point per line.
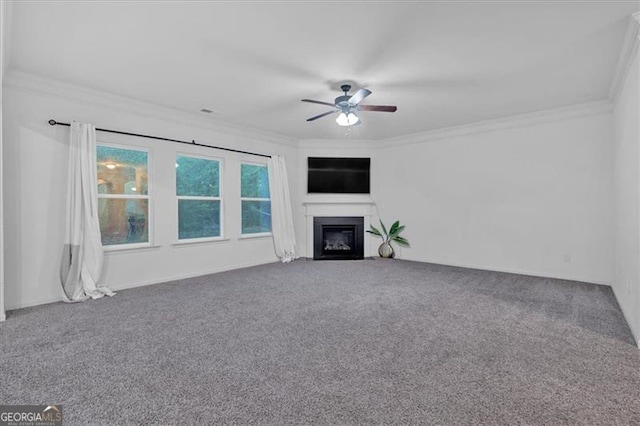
82	256
284	238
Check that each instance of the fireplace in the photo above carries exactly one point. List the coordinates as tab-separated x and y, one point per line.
338	238
331	206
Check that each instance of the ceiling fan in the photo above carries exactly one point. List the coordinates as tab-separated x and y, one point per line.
347	106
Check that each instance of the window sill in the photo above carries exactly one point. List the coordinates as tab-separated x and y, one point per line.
252	236
198	241
109	250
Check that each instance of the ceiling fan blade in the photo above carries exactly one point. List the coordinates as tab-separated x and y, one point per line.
317	102
359	96
322	115
381	108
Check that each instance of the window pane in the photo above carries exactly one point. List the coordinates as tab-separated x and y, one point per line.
123	221
254	181
121	171
198	219
197	177
256	217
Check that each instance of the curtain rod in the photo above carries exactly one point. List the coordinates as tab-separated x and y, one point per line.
194	143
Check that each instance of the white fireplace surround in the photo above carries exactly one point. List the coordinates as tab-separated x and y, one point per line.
333	205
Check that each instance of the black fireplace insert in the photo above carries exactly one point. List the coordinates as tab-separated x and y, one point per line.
338	238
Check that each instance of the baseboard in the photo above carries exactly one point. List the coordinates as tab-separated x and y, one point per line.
634	333
31	303
516	271
184	276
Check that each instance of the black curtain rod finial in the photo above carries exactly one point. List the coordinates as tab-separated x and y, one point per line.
53	122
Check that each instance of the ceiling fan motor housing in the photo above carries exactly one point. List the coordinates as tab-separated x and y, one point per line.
343	101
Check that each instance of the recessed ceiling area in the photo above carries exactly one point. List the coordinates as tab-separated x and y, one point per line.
442	64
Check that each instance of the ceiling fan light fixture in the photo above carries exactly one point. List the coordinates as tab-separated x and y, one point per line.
347	119
345	105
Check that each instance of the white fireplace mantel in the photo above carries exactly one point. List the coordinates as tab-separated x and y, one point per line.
354	205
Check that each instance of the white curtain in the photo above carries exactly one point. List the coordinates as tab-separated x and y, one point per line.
82	255
284	238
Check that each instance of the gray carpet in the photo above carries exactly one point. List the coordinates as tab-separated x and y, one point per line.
351	342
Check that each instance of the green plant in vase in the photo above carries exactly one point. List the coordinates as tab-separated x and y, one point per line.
386	249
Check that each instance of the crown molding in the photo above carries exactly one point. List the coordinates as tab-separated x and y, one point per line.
58	89
627	55
510	122
335	144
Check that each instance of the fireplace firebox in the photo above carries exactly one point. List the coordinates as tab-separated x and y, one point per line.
338	238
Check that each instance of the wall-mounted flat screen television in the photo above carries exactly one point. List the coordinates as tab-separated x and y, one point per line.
338	175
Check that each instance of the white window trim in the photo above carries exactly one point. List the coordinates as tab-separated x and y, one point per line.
147	196
129	247
196	241
186	241
254	199
253	234
256	235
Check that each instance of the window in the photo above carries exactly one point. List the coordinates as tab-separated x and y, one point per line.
199	201
123	195
256	200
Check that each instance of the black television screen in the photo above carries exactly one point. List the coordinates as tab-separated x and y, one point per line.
338	175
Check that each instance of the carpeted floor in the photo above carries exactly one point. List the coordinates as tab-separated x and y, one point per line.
342	342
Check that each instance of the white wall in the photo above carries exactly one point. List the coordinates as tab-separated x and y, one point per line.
531	198
34	170
626	189
526	196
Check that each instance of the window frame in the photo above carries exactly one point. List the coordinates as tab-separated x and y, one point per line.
147	196
219	198
254	234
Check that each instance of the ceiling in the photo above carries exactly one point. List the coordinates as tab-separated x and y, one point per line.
442	64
